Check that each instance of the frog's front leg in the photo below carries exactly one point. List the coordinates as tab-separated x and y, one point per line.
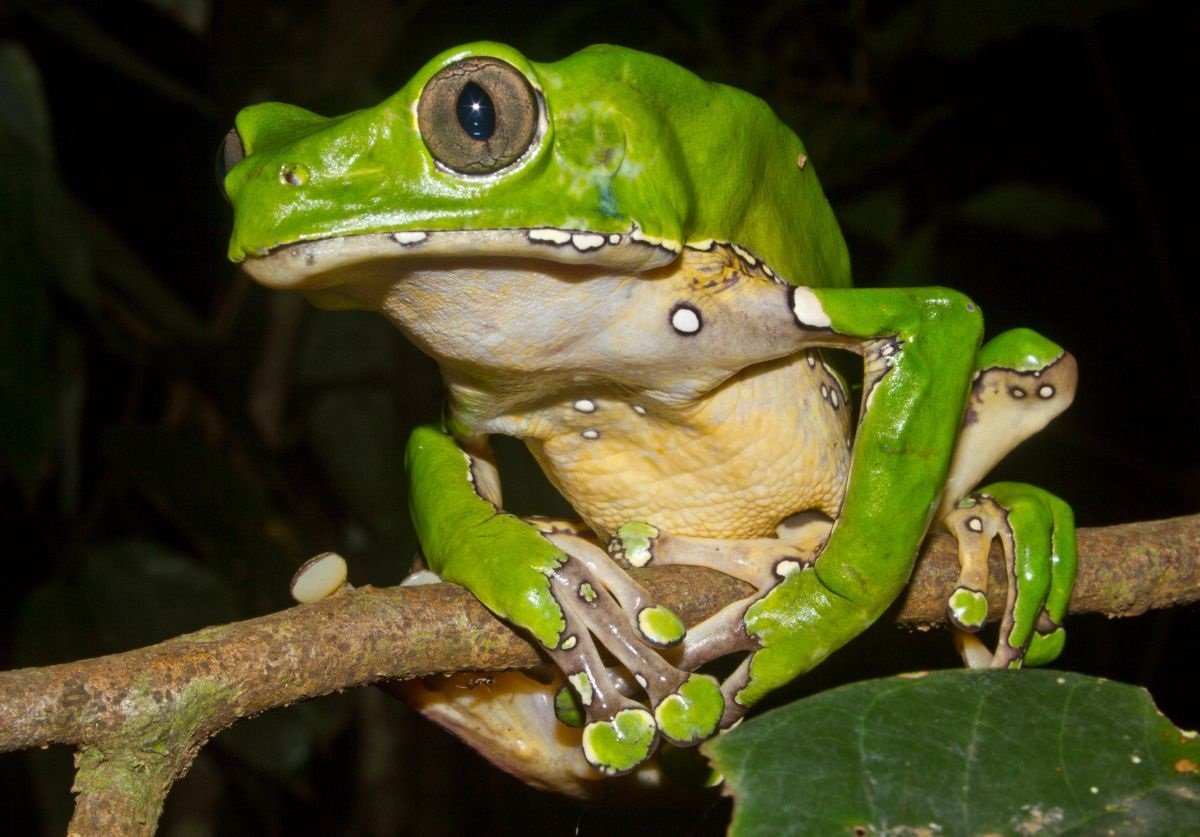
919	346
565	592
1023	382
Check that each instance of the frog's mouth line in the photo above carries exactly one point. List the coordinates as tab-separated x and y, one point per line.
323	263
311	265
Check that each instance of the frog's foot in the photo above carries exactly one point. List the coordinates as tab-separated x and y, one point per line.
509	717
760	562
599	600
1037	534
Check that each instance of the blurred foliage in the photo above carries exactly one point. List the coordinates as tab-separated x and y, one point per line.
174	441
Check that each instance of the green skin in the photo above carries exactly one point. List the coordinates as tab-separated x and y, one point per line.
651	165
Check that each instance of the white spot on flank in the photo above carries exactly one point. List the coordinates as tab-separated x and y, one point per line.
569	643
590	434
407	238
812	360
614	238
550	236
975	524
685	320
587	241
833	397
825	392
1046	391
641	681
1095	789
639	409
585	405
802	161
808	310
1135	759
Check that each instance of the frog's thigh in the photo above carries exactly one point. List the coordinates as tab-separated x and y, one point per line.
1023	382
761	562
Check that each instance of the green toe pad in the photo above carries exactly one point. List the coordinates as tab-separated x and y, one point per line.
968	608
620	745
660	626
692	713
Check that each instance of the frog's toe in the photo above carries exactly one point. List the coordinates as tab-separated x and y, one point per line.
693	712
621	743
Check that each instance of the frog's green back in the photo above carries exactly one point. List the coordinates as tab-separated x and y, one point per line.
699	160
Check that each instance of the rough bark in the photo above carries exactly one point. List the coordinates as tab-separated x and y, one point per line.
137	718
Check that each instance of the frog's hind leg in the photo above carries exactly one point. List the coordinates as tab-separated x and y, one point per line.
1023	382
597	596
760	562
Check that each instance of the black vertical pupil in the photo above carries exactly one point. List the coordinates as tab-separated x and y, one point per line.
475	112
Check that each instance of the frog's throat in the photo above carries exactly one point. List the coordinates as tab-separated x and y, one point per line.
327	262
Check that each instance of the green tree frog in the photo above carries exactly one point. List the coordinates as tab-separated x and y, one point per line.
635	271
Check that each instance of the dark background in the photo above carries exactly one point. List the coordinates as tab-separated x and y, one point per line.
174	441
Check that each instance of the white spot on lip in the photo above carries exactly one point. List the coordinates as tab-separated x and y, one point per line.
685	320
590	434
808	309
833	397
1045	391
587	241
975	524
408	238
549	235
615	238
746	255
585	405
641	681
569	643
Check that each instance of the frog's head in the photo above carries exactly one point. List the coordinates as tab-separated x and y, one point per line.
610	158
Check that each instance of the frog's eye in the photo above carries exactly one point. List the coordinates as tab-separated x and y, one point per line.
229	154
478	115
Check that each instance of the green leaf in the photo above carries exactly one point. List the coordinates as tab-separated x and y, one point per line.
1030	210
961	752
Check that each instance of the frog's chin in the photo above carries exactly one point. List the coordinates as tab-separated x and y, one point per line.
323	264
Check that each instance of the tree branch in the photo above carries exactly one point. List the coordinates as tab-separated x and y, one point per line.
138	718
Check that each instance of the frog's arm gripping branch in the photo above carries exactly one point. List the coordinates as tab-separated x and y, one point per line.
109	708
919	349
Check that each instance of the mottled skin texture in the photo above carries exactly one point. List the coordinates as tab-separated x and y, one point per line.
639	289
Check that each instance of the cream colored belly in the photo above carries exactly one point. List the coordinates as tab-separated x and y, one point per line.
770	442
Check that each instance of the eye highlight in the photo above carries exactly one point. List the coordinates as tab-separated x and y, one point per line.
478	115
